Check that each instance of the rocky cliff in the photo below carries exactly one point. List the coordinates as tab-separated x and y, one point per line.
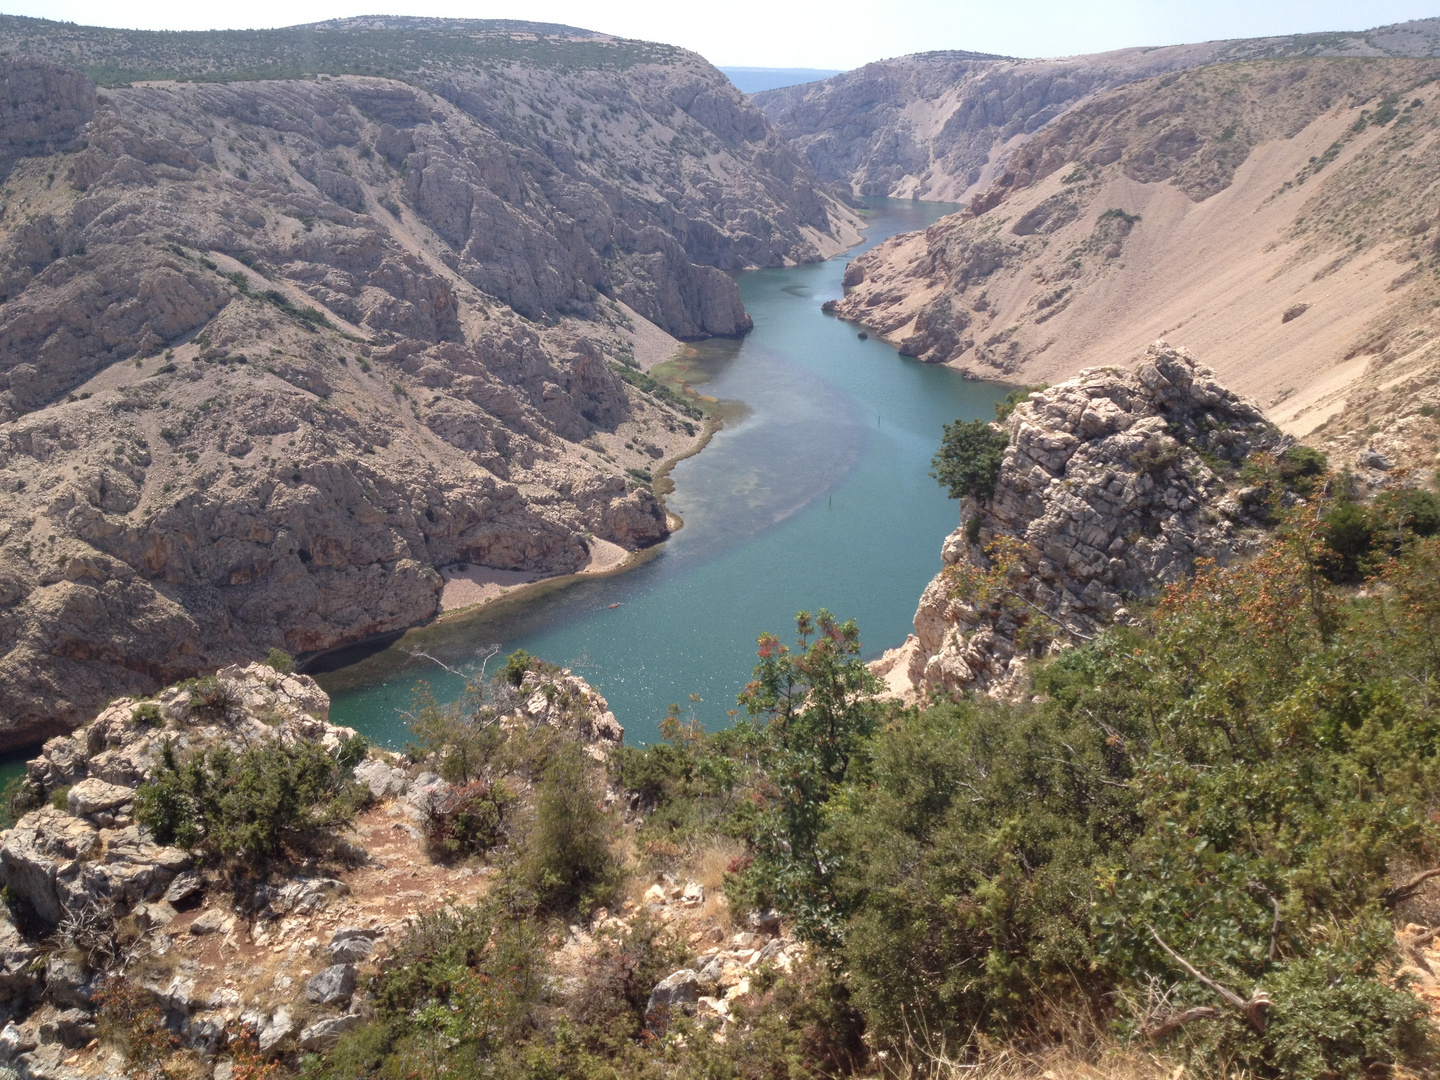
1275	212
940	125
1113	483
272	351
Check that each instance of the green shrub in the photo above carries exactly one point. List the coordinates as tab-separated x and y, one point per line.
568	861
517	666
469	819
1244	778
17	798
1300	467
248	806
969	459
209	695
59	795
1349	534
147	715
352	751
281	661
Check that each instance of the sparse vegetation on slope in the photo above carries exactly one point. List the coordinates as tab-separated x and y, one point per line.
393	47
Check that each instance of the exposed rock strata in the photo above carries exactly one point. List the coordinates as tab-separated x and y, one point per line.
1276	213
1106	495
939	125
271	352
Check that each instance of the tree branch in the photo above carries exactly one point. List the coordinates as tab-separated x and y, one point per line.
1396	893
1253	1010
1178	1020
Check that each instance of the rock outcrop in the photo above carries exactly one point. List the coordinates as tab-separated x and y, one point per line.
84	875
1104	494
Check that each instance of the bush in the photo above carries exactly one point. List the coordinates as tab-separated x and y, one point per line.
209	694
1300	467
17	798
147	715
568	862
59	796
969	459
281	661
248	806
1244	778
469	819
352	751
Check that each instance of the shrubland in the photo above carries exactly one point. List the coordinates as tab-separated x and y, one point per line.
1192	841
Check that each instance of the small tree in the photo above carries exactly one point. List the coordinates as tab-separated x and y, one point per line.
969	459
818	704
568	861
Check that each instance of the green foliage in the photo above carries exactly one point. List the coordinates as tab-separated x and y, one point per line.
1260	748
568	862
59	796
147	715
281	661
968	461
248	806
1300	467
1006	406
469	819
209	695
658	390
17	798
352	751
517	666
816	704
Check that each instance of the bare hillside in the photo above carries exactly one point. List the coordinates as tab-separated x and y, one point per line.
271	352
940	125
1276	216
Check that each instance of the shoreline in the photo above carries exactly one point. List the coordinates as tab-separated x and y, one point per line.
512	588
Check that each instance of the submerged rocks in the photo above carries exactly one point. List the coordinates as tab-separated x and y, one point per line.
1104	493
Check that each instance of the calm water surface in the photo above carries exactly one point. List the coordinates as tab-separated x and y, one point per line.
819	496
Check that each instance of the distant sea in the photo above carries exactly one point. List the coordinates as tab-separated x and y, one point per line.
751	80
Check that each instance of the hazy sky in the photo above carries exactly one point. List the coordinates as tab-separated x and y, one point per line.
828	34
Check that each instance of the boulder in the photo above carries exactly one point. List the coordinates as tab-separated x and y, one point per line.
324	1034
278	1027
67	981
672	994
15	1041
384	781
93	796
333	986
71	1028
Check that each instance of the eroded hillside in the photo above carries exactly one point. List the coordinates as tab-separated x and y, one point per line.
1275	216
273	351
941	125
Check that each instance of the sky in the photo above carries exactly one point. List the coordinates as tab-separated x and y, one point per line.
783	33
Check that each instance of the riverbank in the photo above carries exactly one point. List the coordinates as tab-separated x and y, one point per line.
813	493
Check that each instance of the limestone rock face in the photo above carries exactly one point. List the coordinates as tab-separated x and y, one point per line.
928	125
272	352
1104	493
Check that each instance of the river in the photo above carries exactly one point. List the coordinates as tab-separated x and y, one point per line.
818	495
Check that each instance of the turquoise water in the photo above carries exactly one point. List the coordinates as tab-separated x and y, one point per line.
819	496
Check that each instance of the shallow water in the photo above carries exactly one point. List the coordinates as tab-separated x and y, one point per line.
817	496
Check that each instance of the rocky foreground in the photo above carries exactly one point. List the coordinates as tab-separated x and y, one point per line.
1110	487
288	957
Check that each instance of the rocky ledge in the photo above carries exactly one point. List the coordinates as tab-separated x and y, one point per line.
1110	486
286	955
